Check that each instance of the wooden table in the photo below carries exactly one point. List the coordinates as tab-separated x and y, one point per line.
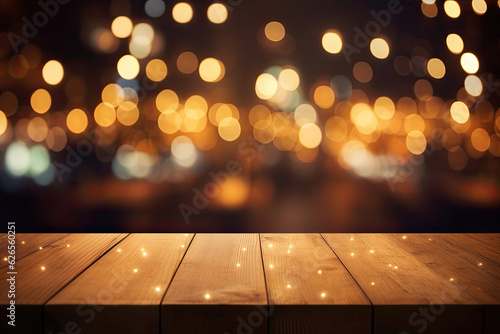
251	283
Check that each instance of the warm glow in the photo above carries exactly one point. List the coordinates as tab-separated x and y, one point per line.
127	113
452	8
324	97
479	6
266	86
113	94
289	79
182	12
455	43
379	48
211	70
3	123
436	68
169	121
217	13
121	27
77	121
384	108
274	31
336	128
156	70
473	85
41	101
37	129
310	135
459	112
469	63
128	67
304	114
104	114
480	140
332	42
229	129
234	192
416	142
53	72
167	100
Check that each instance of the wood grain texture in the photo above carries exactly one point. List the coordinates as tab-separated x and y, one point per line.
27	243
474	245
301	271
479	275
406	294
34	285
491	240
476	259
111	296
210	293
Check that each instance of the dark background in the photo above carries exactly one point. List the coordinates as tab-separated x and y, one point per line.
294	197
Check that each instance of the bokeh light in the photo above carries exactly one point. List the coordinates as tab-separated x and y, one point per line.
459	112
455	43
3	123
122	27
473	85
40	101
53	72
436	68
469	63
275	31
452	8
187	62
127	113
156	70
332	42
266	86
362	72
229	129
211	70
77	121
289	79
217	13
379	48
310	135
182	12
128	67
416	142
105	114
324	97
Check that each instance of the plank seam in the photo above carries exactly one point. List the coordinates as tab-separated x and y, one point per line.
265	284
75	277
341	262
25	256
175	273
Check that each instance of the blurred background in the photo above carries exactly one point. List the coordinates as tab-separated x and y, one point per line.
250	116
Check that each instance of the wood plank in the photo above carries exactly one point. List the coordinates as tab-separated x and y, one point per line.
42	274
476	245
27	243
309	289
480	272
491	240
210	293
449	256
406	294
111	297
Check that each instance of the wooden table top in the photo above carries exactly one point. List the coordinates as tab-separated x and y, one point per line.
253	283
